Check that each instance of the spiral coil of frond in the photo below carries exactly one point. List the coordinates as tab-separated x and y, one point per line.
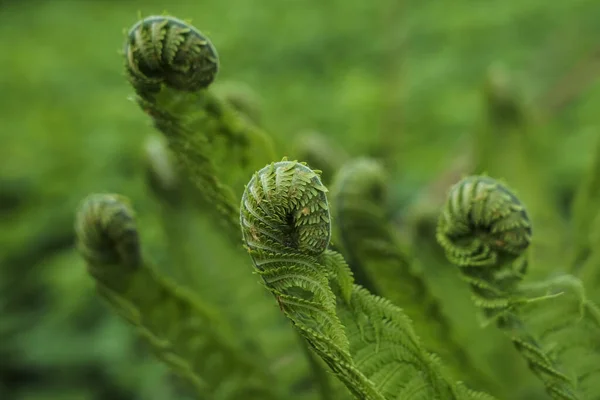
483	223
367	342
485	230
286	226
106	231
296	215
165	50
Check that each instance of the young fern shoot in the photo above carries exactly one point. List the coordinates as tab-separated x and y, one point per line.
185	334
366	341
486	231
171	65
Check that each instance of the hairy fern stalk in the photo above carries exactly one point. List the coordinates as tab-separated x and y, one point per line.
318	326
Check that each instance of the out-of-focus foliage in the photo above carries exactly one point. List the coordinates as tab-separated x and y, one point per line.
406	82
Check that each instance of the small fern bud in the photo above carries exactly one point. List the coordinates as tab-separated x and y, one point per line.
483	223
106	231
165	50
485	231
284	209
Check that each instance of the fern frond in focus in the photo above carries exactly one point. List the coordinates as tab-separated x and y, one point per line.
366	341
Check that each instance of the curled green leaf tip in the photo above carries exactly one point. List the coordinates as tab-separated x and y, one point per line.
166	50
284	208
106	231
483	223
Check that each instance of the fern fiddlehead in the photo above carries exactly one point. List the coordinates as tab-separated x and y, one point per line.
185	334
365	340
485	230
171	65
166	50
484	224
179	204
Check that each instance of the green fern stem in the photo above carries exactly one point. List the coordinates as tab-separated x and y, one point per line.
187	335
485	230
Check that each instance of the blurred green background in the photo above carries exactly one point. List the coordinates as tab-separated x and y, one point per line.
405	74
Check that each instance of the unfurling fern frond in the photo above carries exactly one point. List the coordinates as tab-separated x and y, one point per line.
187	335
483	224
171	65
485	230
166	50
367	342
